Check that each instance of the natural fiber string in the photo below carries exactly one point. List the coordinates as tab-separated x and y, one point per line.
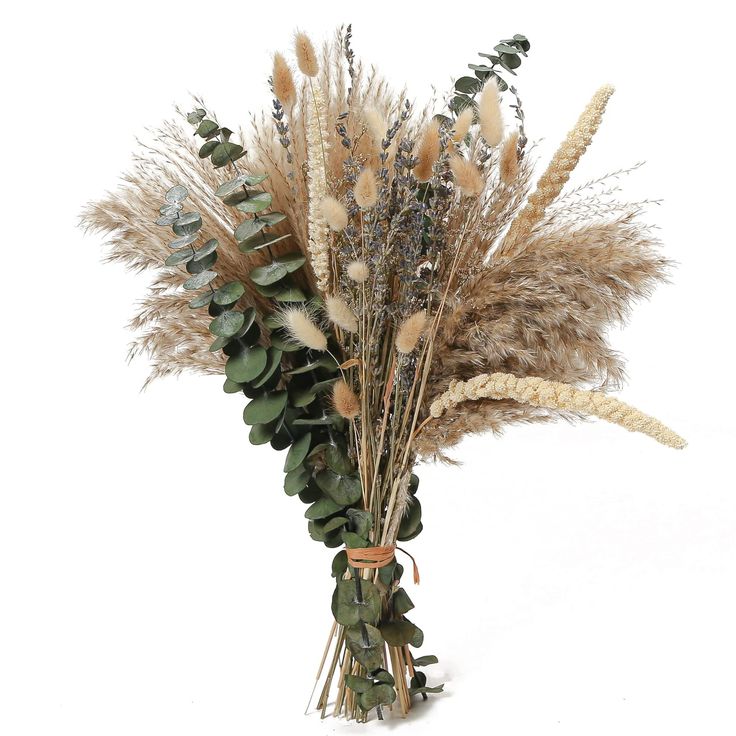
375	557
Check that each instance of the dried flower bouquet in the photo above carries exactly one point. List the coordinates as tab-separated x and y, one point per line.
387	281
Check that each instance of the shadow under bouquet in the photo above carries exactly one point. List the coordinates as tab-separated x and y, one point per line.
379	281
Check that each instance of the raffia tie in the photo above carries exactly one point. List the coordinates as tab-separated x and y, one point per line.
375	557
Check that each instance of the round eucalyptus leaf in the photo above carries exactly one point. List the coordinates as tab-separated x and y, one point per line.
339	563
296	480
229	293
195	117
418	639
231	186
219	344
169	219
225	153
326	362
424	661
227	324
179	257
383	676
352	540
171	209
467	85
204	263
321	508
244	367
298	452
348	610
361	521
510	61
358	684
253	180
204	250
411	520
335	523
398	633
248	228
260	434
187	224
401	602
383	694
290	294
201	300
207	128
348	491
265	408
273	366
177	194
413	535
310	494
368	653
256	203
277	269
272	218
199	280
301	397
284	343
230	387
337	459
207	148
183	241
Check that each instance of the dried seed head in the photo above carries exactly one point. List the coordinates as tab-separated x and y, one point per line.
301	327
305	56
428	151
508	165
376	124
345	401
365	191
358	271
335	214
283	81
410	331
467	176
340	314
463	123
489	114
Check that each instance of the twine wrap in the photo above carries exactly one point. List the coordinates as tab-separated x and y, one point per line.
375	557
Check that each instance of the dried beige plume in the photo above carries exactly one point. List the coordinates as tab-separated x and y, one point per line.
340	314
283	81
317	149
489	114
467	176
365	191
358	271
306	58
463	123
344	400
554	395
376	124
302	328
508	164
428	152
334	213
558	172
410	331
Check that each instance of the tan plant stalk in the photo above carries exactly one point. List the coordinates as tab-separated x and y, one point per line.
306	57
467	176
283	81
508	164
340	314
489	114
560	167
428	152
366	191
554	395
319	233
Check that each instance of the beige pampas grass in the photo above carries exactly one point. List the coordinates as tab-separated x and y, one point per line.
489	114
340	314
410	331
302	328
554	395
306	57
283	81
377	125
428	152
508	164
365	191
344	400
358	271
467	176
463	123
334	213
558	172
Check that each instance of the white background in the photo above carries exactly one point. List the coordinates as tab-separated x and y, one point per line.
154	579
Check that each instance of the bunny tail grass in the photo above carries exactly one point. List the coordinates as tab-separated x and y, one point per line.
554	395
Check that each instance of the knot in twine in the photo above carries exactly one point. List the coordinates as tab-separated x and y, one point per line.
375	557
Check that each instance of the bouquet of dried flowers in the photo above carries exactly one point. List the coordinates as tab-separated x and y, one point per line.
380	281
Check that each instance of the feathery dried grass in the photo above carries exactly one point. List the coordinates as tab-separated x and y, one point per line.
428	152
365	190
298	322
467	176
334	213
306	57
358	271
410	331
340	314
489	114
463	123
508	164
344	400
283	81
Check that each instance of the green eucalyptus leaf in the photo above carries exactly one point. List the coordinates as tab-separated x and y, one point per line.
272	218
348	610
260	240
244	367
425	689
208	248
504	48
290	294
322	508
383	676
201	300
206	128
336	522
265	408
256	203
207	148
195	117
298	452
177	194
229	293
203	264
183	241
424	661
411	519
339	563
326	362
337	460
277	269
296	480
401	602
368	653
225	153
273	364
179	257
260	434
227	324
248	228
231	186
231	387
398	633
199	280
361	521
467	85
382	694
358	684
187	224
353	541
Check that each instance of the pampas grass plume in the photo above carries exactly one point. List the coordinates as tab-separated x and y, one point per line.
410	331
376	124
489	114
428	152
335	214
306	58
508	165
283	81
467	176
345	401
358	271
340	314
365	191
463	123
302	329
